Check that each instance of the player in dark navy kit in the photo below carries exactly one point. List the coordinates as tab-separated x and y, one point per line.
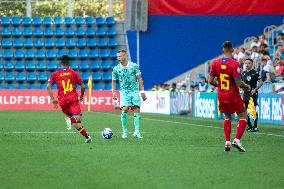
253	79
66	80
227	72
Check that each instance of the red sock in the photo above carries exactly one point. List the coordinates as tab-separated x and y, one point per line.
83	132
227	129
241	128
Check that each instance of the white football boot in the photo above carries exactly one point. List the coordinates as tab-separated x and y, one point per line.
68	123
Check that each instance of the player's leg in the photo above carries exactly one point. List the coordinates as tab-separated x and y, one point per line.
227	124
124	121
241	127
136	102
76	120
65	110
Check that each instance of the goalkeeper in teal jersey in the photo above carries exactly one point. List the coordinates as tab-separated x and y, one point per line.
128	73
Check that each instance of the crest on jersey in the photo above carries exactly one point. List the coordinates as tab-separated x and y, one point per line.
248	78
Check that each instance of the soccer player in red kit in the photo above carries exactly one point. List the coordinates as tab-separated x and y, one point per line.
228	75
68	98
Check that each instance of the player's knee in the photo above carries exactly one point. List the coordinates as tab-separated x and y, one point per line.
75	119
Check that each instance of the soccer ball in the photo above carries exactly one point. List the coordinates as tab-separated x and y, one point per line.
107	133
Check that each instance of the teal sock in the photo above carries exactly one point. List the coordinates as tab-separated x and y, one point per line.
137	121
124	121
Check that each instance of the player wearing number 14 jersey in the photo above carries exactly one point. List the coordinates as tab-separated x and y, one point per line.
227	72
66	80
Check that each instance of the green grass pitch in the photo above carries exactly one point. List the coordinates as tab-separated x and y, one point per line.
176	152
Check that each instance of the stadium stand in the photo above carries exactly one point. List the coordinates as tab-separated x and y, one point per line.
32	48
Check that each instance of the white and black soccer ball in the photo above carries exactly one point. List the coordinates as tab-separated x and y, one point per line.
107	133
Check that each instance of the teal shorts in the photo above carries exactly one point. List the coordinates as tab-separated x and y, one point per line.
129	98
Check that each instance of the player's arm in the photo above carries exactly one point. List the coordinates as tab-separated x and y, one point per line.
53	100
211	81
141	87
113	89
259	84
242	84
83	89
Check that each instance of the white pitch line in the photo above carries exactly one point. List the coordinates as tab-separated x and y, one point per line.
196	125
51	132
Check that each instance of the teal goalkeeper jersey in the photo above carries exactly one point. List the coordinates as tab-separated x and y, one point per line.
127	76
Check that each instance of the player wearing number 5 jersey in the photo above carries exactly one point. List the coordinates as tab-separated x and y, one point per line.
66	80
227	72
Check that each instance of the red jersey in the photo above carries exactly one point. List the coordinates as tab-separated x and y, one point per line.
227	71
66	80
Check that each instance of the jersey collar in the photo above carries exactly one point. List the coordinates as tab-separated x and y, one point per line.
124	66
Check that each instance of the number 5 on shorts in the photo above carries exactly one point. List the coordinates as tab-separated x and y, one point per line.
224	81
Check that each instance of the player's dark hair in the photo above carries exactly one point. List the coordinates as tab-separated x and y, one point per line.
122	50
65	60
249	59
227	45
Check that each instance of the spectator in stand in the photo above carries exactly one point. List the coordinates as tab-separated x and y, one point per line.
263	40
255	42
280	39
191	89
155	88
278	67
203	85
174	88
183	89
254	53
267	70
263	49
280	53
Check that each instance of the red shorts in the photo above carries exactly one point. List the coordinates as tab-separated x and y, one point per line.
232	107
71	108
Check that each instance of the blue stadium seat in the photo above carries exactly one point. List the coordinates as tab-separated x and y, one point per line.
52	65
28	42
33	86
9	76
107	76
19	54
27	32
81	43
29	54
6	42
80	32
113	53
97	86
31	77
42	76
1	65
17	32
20	76
19	65
111	32
112	43
48	32
84	65
68	21
105	64
93	54
108	86
74	65
26	21
110	21
60	43
7	54
89	21
6	32
40	54
103	54
42	86
49	43
8	66
79	21
58	21
50	54
92	43
2	86
10	86
70	43
54	87
100	21
102	43
114	63
95	65
37	21
47	21
72	53
100	32
5	21
16	21
69	32
21	86
38	42
40	66
1	55
85	76
90	32
60	53
96	76
30	65
83	54
38	32
18	43
59	32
